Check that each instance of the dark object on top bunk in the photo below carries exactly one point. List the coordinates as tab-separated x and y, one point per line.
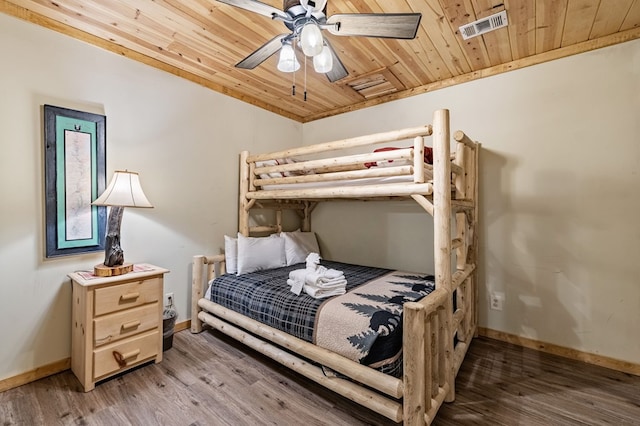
428	156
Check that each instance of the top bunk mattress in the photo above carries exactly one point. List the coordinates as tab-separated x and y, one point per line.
364	325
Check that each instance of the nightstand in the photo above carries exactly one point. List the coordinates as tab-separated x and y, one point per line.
116	322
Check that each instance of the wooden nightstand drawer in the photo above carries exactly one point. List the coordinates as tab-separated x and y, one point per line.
122	355
128	295
119	325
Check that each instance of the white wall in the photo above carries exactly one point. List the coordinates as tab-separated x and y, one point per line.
182	138
560	195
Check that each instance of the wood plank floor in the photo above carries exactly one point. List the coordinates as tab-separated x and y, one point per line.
209	379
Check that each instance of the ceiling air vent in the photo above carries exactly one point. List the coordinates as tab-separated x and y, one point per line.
378	83
484	25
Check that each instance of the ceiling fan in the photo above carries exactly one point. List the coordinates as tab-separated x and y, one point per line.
306	18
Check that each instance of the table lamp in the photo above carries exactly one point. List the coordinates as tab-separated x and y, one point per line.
124	190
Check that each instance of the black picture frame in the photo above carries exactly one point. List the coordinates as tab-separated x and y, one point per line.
75	175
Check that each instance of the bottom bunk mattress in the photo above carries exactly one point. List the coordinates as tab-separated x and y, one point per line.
364	325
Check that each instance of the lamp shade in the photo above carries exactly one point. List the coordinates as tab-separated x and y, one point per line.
323	62
288	61
124	190
311	39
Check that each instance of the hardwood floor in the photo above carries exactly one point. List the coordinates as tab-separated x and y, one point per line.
209	379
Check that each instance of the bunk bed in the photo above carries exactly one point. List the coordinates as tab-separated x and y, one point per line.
436	329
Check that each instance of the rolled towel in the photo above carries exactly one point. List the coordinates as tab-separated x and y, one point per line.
296	280
313	260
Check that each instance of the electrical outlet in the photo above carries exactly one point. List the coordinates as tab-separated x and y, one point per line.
168	299
497	301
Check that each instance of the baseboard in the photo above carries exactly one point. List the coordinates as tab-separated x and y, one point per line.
589	358
56	367
36	374
182	326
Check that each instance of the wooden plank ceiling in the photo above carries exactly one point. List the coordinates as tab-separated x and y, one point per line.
201	40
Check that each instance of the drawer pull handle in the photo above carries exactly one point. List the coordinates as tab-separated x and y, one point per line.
121	359
104	340
129	296
130	324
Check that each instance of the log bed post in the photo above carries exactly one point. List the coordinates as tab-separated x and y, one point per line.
442	233
196	292
416	395
243	208
418	159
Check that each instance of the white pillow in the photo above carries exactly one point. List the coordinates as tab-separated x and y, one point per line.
298	245
231	254
256	254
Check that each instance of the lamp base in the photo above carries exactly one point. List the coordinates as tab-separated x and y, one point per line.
111	271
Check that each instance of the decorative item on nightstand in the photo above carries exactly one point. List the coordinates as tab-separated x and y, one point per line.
124	190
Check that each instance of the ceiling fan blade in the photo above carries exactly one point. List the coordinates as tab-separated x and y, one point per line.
386	25
256	7
338	71
263	53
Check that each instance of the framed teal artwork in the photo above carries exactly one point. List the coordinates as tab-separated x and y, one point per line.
75	175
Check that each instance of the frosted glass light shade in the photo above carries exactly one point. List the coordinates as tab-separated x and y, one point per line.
288	61
311	39
124	190
323	62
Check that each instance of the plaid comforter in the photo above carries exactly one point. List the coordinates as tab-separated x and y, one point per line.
265	296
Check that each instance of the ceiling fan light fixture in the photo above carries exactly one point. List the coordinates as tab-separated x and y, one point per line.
288	61
311	39
306	19
323	62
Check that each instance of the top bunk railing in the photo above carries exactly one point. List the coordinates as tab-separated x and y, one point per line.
339	169
278	175
392	136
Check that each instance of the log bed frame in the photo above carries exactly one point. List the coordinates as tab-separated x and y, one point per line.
448	191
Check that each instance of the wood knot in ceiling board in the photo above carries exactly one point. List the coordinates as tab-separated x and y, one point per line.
137	14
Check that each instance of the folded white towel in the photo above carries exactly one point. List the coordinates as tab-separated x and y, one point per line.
316	279
318	293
